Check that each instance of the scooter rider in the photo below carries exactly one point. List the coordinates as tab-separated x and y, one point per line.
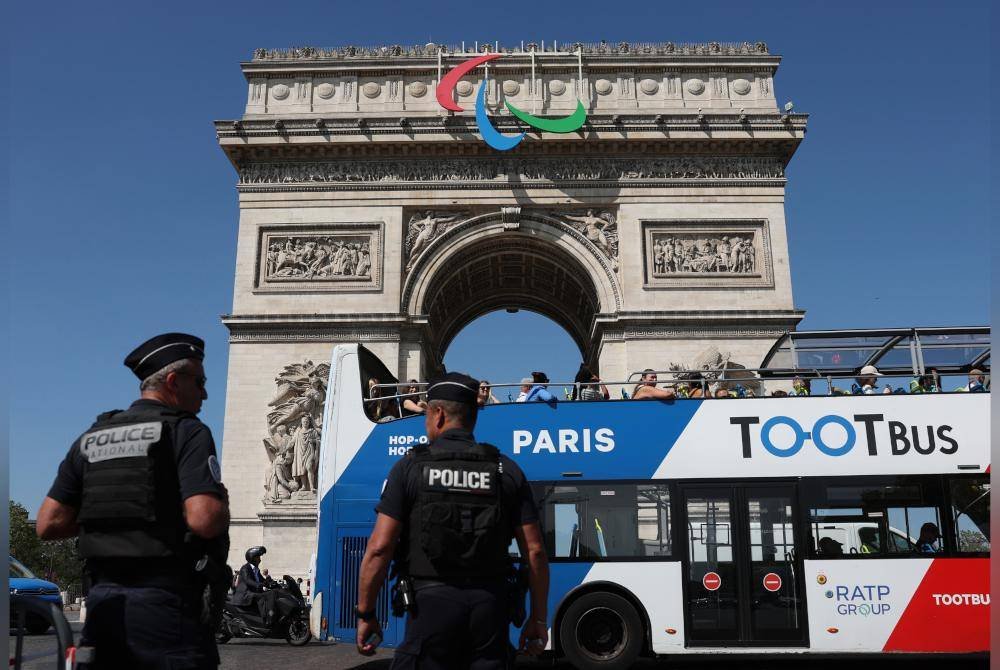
250	586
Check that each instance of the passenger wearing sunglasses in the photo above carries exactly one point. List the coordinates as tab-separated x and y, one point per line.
485	396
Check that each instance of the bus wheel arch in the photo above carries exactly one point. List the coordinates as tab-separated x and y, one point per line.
601	588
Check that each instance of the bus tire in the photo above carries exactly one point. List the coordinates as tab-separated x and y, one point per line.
601	630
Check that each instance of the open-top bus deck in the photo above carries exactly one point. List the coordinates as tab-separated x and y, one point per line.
770	525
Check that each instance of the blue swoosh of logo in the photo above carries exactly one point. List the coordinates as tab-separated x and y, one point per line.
490	134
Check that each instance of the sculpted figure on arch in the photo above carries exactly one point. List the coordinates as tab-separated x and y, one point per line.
294	427
600	228
422	230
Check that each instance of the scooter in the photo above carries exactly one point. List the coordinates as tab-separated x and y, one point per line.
291	617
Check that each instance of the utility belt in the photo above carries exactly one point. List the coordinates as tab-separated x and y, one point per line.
514	586
459	582
169	574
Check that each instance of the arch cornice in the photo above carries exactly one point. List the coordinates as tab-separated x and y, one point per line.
529	225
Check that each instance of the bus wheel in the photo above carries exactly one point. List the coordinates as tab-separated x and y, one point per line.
601	630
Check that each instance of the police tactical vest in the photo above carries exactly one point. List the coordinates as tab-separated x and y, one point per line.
458	526
131	505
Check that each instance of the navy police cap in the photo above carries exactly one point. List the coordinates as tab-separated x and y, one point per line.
158	352
455	387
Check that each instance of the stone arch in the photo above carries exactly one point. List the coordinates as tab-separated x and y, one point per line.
506	260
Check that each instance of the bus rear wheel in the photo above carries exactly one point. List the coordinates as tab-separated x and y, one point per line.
601	631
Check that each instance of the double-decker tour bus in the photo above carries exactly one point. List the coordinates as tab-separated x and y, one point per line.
836	523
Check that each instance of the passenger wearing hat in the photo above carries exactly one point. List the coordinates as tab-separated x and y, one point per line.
143	490
866	381
448	513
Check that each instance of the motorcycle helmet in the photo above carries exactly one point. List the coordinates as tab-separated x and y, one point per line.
255	552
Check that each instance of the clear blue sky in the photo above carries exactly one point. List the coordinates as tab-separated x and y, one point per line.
124	211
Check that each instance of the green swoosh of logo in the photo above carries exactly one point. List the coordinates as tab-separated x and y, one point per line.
566	124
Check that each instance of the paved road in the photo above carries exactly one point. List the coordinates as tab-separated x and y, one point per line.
270	654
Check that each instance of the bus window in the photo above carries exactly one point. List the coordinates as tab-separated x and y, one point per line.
970	510
881	516
567	524
899	543
598	521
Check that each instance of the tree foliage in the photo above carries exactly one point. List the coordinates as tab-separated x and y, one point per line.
57	561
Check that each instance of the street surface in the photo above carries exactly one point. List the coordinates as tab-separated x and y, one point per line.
269	654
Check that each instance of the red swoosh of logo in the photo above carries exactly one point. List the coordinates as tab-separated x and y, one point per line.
448	81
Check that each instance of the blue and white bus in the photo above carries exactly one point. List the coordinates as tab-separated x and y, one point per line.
763	525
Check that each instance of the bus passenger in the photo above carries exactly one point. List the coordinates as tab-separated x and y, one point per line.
525	387
588	386
929	536
485	396
869	540
830	547
722	393
412	404
923	384
646	388
866	382
801	387
539	391
977	382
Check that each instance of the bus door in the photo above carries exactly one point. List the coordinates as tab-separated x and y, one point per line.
743	566
352	540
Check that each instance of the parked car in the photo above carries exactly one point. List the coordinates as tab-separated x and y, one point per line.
24	583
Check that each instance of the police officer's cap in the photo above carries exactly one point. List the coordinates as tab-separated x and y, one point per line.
158	352
455	387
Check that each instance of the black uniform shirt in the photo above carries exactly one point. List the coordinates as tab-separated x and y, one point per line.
401	487
194	453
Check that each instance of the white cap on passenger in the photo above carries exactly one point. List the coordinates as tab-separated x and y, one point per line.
869	370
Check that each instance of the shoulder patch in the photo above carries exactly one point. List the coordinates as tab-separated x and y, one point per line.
214	468
120	441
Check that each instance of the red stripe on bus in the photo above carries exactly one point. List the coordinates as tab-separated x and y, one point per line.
949	611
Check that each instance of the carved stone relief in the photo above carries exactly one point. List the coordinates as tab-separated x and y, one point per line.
741	86
325	90
325	257
695	86
280	92
707	253
352	171
680	253
599	227
423	228
294	429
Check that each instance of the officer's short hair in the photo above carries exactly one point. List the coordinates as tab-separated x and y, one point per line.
457	412
159	378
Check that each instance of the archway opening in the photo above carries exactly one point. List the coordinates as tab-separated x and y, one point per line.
505	346
509	271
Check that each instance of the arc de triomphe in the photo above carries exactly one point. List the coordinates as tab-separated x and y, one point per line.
370	214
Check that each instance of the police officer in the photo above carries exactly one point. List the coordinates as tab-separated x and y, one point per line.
448	512
143	489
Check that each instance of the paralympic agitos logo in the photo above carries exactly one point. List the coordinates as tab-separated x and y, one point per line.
490	134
